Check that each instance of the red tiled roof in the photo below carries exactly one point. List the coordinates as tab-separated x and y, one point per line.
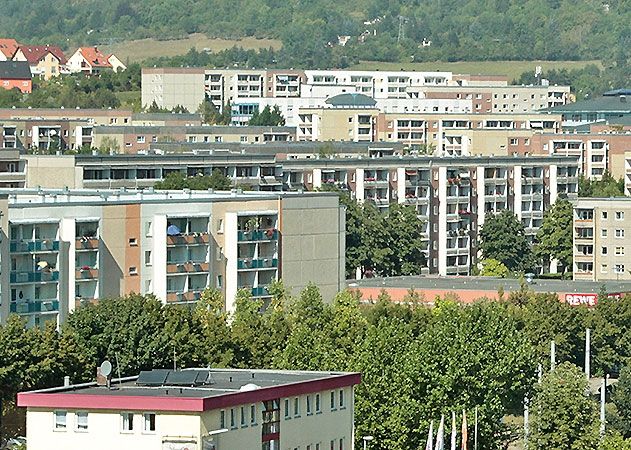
35	53
94	57
8	47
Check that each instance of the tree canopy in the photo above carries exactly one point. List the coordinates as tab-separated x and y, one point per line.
177	180
503	238
554	238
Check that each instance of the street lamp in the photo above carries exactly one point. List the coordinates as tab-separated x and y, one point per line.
367	439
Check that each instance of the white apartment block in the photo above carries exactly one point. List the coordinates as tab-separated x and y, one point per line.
197	409
62	248
602	239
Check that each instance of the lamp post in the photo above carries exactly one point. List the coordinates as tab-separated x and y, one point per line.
366	440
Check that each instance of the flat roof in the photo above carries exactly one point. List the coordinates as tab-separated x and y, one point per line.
228	387
455	283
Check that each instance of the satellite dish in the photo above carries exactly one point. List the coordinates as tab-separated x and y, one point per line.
106	368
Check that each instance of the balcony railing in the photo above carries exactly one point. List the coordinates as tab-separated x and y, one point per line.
188	267
260	291
254	263
33	277
35	306
269	234
87	243
188	296
39	245
189	239
87	273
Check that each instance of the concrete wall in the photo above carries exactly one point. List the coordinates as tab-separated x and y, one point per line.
53	172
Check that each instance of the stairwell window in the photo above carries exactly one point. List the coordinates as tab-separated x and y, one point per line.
150	422
127	421
82	421
60	420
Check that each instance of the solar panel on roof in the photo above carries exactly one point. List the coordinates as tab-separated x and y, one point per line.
181	378
155	377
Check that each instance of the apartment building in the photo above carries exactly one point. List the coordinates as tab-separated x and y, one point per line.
63	247
602	235
195	409
12	169
92	116
48	135
611	105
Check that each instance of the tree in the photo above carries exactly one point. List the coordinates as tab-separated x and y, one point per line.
494	268
177	181
562	415
268	117
606	187
209	112
621	399
554	238
503	238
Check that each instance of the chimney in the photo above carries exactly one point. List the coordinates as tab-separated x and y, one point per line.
66	381
623	99
101	380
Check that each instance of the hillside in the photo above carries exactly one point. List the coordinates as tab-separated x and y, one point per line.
393	30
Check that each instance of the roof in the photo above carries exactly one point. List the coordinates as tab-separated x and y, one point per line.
35	53
351	99
8	47
227	387
15	70
604	103
617	92
456	283
95	57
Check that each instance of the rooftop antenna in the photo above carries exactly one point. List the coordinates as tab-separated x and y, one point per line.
118	368
106	371
174	364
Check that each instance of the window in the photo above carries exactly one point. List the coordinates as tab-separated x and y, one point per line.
603	268
619	268
619	215
332	400
309	412
220	226
147	257
219	281
140	139
133	270
222	419
150	422
127	421
603	251
619	251
243	418
318	409
133	242
603	233
60	420
332	444
82	421
514	141
297	407
619	233
233	420
341	444
342	406
287	412
253	414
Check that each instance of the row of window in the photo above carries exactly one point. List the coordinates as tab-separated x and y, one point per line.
127	423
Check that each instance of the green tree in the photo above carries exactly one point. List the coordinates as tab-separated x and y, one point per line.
562	415
554	238
503	238
177	181
494	268
606	187
268	117
610	322
621	399
209	112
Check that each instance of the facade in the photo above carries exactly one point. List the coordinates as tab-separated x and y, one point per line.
90	60
16	75
197	409
61	248
451	195
602	236
613	105
45	61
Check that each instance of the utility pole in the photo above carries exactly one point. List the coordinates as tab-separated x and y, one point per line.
553	355
588	338
526	422
603	394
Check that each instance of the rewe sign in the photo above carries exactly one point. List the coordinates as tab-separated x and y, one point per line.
581	299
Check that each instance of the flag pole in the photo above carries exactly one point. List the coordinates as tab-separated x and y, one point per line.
475	431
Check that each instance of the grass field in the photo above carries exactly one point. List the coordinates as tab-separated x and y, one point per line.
512	69
136	51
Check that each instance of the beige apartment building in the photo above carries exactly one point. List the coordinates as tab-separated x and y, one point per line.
197	409
61	248
602	239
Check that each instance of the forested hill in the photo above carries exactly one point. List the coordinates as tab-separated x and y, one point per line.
394	29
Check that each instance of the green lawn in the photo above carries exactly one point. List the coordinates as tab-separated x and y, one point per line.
513	69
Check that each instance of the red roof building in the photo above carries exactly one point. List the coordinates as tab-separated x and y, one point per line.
46	61
91	60
8	47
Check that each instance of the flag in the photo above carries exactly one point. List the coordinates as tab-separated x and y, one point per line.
430	437
464	430
440	435
453	430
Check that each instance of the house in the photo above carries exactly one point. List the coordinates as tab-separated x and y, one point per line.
46	61
210	409
8	47
91	60
16	75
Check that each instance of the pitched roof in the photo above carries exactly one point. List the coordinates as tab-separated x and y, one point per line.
15	70
8	47
95	57
617	92
351	99
597	104
35	53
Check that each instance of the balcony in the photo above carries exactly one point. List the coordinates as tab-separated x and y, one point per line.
188	239
87	244
86	273
188	296
255	264
35	306
188	267
34	246
258	235
34	277
260	291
